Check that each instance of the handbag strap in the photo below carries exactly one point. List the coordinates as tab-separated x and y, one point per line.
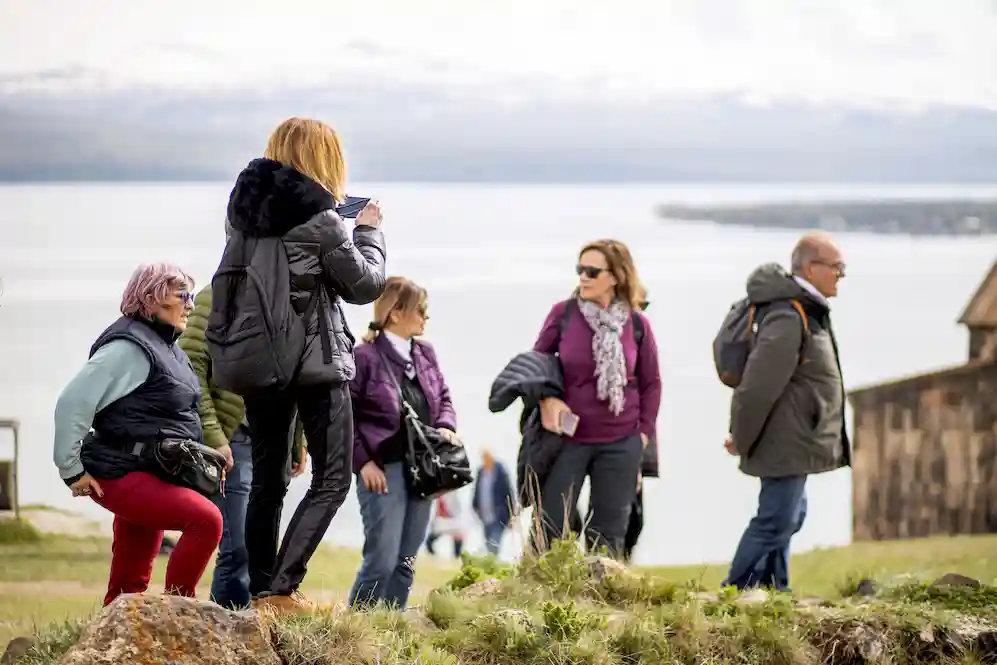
408	413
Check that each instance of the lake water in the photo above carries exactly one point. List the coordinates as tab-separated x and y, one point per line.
494	259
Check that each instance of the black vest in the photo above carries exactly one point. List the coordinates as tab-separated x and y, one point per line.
165	406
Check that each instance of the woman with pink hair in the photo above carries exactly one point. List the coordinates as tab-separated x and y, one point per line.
137	390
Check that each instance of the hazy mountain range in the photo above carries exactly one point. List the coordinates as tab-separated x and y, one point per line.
511	133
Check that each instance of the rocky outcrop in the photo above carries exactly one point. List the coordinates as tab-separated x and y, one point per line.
140	629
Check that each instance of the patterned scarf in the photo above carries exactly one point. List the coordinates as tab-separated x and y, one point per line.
607	349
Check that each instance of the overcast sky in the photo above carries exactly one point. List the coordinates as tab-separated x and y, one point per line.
492	58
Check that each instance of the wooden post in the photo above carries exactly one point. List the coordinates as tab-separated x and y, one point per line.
14	426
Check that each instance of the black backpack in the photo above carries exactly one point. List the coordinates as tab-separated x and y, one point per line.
734	341
254	336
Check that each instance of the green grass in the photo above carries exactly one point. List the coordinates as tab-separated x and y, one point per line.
822	572
18	532
561	615
57	578
562	609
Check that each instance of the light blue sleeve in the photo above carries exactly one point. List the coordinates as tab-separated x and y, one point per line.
118	368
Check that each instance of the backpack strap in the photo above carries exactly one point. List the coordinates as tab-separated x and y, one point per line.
754	315
635	320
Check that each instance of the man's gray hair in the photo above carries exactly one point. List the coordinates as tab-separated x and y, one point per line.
807	250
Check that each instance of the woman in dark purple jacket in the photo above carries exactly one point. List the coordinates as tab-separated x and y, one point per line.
611	385
394	523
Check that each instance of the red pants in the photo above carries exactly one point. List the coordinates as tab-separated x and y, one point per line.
144	506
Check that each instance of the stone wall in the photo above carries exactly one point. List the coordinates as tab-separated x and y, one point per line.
925	455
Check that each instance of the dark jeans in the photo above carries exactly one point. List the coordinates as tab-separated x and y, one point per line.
327	415
230	583
612	470
493	537
762	557
394	527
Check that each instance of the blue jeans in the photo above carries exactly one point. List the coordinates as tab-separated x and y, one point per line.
493	537
394	529
230	583
762	557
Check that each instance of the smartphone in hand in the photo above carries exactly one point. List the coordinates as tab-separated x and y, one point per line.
569	423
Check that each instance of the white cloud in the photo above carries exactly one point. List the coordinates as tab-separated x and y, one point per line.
913	51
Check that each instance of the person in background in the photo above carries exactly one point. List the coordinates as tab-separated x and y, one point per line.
787	415
292	193
609	361
394	523
494	501
223	417
139	387
447	520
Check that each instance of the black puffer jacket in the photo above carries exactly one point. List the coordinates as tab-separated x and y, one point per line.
530	376
270	199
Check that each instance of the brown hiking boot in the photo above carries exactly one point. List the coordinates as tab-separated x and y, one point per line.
296	603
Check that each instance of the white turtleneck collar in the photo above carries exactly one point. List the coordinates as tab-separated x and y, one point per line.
403	347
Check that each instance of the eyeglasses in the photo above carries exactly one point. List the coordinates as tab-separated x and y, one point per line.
838	268
187	297
423	311
589	271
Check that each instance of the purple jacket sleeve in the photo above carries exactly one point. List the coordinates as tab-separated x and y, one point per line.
448	417
550	333
648	381
360	456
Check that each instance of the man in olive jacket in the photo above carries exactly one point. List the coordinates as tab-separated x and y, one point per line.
788	413
223	420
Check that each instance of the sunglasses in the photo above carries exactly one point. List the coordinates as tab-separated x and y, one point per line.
187	297
589	271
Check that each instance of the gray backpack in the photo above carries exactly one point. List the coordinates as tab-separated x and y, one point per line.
734	342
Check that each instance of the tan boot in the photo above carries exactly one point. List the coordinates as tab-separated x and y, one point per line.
296	603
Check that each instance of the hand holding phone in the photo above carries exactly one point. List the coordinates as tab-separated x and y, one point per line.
569	423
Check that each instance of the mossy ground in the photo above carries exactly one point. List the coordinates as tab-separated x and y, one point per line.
563	608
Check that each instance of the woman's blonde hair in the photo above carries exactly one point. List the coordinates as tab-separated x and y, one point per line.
629	287
401	294
310	147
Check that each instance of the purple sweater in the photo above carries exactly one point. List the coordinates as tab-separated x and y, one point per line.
597	424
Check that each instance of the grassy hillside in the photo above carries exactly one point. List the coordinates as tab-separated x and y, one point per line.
54	578
47	579
564	608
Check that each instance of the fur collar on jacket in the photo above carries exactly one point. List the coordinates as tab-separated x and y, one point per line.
270	199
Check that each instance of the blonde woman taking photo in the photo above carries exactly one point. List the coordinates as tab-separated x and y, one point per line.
292	193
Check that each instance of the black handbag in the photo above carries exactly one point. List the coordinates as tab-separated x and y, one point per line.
188	464
433	464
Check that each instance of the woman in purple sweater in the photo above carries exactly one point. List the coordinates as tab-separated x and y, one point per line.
394	523
611	385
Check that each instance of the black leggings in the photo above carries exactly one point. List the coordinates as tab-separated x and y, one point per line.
327	415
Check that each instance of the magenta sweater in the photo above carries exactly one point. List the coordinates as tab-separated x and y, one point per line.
597	424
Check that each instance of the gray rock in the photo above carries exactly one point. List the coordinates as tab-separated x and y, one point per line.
601	567
482	589
499	622
16	649
145	629
955	580
866	588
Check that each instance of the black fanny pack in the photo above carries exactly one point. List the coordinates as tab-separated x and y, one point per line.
185	463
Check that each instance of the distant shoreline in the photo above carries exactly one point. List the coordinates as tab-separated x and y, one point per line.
928	217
